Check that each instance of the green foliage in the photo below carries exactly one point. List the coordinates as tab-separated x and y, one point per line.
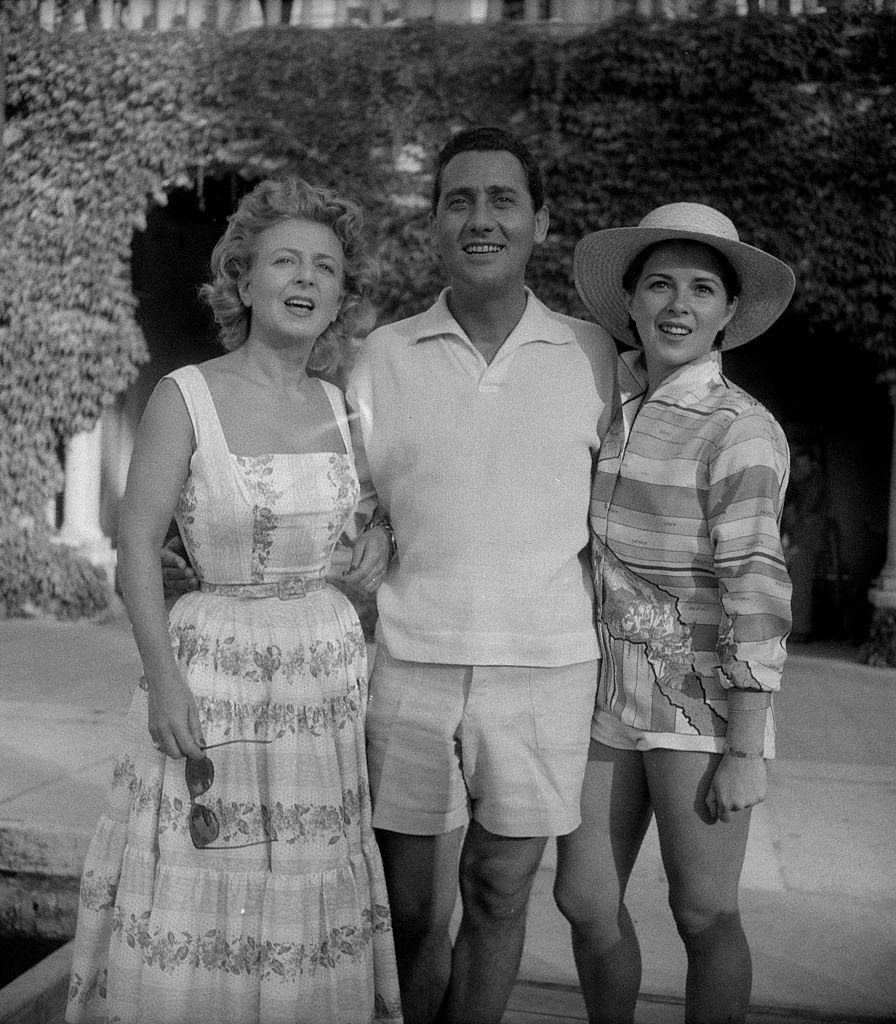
88	141
38	576
880	647
785	123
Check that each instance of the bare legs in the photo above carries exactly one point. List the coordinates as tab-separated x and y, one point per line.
421	878
593	867
496	878
703	862
472	981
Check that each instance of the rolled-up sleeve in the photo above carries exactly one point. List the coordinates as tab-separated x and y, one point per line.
747	480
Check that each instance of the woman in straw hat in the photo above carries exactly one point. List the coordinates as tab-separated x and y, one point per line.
693	603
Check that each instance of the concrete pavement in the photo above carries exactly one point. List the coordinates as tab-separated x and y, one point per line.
818	894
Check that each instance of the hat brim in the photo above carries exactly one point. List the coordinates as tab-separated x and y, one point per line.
602	258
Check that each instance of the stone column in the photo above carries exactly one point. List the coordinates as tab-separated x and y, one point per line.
165	15
230	15
107	14
136	12
46	15
883	593
880	647
198	13
81	498
273	11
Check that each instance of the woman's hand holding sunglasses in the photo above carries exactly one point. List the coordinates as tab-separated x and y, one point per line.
204	823
174	717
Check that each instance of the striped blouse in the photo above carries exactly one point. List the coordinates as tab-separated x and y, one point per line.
693	597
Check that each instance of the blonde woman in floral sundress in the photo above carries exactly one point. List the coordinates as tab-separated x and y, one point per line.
234	876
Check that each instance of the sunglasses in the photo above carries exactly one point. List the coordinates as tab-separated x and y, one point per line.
204	824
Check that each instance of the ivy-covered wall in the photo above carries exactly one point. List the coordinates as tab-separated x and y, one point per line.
788	124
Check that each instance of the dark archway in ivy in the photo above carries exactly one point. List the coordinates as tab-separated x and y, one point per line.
822	390
169	262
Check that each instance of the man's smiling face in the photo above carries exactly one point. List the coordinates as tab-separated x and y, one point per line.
485	226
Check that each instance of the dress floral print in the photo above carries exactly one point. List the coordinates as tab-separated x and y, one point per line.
258	472
296	927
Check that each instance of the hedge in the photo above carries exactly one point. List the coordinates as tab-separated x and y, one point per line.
785	123
40	577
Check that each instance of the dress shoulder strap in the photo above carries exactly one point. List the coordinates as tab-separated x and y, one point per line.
337	401
198	400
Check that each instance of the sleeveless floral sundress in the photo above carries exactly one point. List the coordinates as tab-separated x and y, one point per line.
296	927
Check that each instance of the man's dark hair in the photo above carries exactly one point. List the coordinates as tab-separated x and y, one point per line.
488	139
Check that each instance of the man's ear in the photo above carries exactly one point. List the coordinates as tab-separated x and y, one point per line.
542	223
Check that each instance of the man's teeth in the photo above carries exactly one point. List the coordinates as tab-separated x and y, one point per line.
481	250
673	329
300	303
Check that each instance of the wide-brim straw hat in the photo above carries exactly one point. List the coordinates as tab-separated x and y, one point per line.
602	258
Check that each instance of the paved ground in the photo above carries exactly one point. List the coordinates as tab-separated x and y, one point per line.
818	891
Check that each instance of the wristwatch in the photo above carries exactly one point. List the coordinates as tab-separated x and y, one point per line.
386	524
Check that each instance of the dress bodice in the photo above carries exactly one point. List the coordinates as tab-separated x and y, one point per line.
255	518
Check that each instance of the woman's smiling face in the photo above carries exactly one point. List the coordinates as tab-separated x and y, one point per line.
679	304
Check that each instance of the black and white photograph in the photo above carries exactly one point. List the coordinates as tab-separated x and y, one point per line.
447	511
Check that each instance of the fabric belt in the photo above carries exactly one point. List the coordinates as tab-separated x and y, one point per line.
285	588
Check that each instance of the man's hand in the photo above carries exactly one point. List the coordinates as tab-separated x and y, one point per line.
370	560
177	573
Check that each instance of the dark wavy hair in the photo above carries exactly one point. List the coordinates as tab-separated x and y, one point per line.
489	139
270	203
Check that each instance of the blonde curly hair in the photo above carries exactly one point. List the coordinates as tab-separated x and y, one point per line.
270	203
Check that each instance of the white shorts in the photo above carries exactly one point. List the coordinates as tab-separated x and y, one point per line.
505	745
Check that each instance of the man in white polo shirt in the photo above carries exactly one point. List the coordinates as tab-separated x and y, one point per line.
479	419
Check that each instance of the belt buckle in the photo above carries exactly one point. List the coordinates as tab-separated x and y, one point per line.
287	588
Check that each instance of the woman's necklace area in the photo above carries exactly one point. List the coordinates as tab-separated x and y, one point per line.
252	375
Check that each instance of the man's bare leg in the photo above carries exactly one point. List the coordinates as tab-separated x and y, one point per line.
421	878
496	876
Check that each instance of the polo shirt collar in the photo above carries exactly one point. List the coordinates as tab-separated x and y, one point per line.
536	324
